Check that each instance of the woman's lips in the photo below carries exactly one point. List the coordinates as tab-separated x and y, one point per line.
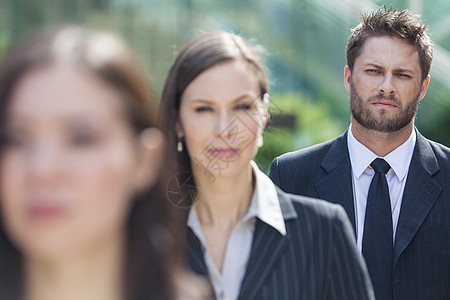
223	152
46	211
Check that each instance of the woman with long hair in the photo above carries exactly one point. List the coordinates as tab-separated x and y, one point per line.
251	239
82	213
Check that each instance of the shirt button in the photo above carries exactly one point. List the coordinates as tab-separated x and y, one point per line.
222	295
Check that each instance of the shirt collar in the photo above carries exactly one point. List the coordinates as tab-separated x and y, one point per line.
194	223
399	159
264	204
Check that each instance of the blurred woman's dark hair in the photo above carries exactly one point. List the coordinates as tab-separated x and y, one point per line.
152	257
200	54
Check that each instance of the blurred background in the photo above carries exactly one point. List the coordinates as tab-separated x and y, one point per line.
305	42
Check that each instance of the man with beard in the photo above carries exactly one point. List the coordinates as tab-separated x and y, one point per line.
393	183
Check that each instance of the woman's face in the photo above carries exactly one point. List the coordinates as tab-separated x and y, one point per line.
221	118
70	164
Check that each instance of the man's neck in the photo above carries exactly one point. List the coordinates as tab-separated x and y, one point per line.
381	143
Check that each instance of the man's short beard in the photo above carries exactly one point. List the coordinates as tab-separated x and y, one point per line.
380	122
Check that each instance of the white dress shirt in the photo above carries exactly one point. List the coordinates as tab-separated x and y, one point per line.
361	158
264	206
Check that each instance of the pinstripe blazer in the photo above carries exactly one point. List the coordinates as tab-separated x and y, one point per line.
422	245
316	259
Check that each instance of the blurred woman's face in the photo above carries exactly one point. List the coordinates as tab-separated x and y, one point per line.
69	166
221	118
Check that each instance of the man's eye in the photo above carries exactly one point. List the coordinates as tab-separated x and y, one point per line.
374	71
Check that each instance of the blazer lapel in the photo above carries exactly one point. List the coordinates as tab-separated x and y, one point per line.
267	248
421	191
195	255
337	186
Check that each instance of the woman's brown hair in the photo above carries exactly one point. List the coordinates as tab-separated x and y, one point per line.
200	54
151	256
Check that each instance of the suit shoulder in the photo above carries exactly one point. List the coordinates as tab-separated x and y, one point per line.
313	207
440	150
318	150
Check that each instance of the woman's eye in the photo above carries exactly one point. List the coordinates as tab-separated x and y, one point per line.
82	139
243	106
203	109
13	138
13	141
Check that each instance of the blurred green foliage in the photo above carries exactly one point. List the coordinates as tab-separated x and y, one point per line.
313	124
305	41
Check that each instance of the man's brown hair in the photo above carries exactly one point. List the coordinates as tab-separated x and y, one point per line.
401	24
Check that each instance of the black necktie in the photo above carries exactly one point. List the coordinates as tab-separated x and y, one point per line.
377	245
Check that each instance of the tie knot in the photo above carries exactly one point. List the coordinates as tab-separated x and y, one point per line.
380	166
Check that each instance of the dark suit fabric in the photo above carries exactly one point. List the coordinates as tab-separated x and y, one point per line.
316	259
422	245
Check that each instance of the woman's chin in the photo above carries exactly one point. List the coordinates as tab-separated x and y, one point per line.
223	170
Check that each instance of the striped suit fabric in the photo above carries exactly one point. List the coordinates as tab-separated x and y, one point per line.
422	246
316	259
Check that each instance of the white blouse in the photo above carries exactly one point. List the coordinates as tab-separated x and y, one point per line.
265	206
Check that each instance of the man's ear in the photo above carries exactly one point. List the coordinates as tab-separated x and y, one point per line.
347	78
151	149
424	87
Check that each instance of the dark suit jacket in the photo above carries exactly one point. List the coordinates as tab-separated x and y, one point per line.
316	259
422	245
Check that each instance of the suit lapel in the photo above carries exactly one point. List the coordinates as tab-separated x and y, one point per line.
267	248
195	255
337	186
421	191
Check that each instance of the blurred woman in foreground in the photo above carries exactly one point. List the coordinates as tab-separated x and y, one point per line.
252	240
82	217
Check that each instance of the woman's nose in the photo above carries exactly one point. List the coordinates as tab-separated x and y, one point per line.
43	162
